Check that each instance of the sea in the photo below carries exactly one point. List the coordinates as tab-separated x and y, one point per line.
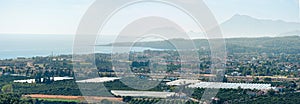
31	45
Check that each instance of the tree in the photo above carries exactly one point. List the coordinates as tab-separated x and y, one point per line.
38	77
11	98
271	92
127	98
256	79
267	79
7	88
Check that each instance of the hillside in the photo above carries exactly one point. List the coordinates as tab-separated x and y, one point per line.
289	44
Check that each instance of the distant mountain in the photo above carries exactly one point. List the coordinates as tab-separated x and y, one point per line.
292	33
246	26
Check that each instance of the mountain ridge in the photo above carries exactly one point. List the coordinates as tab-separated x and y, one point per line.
247	26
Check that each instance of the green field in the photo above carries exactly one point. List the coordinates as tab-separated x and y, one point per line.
59	100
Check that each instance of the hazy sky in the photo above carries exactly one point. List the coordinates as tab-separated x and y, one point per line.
63	16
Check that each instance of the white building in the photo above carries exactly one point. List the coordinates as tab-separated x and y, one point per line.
99	80
143	93
219	85
33	80
182	82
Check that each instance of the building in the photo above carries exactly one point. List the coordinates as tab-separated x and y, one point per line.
152	94
220	85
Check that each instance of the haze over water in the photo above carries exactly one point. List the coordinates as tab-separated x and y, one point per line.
13	46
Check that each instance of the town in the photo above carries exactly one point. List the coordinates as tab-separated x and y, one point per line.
248	77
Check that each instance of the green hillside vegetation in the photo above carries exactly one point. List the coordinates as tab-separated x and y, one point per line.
289	44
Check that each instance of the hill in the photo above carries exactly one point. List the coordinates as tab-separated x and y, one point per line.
289	44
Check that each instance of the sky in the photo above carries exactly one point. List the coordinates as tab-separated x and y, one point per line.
63	16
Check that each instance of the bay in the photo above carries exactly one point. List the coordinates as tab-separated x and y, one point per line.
31	45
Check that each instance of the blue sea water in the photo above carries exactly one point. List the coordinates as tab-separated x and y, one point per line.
24	45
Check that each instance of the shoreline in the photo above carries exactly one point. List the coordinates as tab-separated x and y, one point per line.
46	53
